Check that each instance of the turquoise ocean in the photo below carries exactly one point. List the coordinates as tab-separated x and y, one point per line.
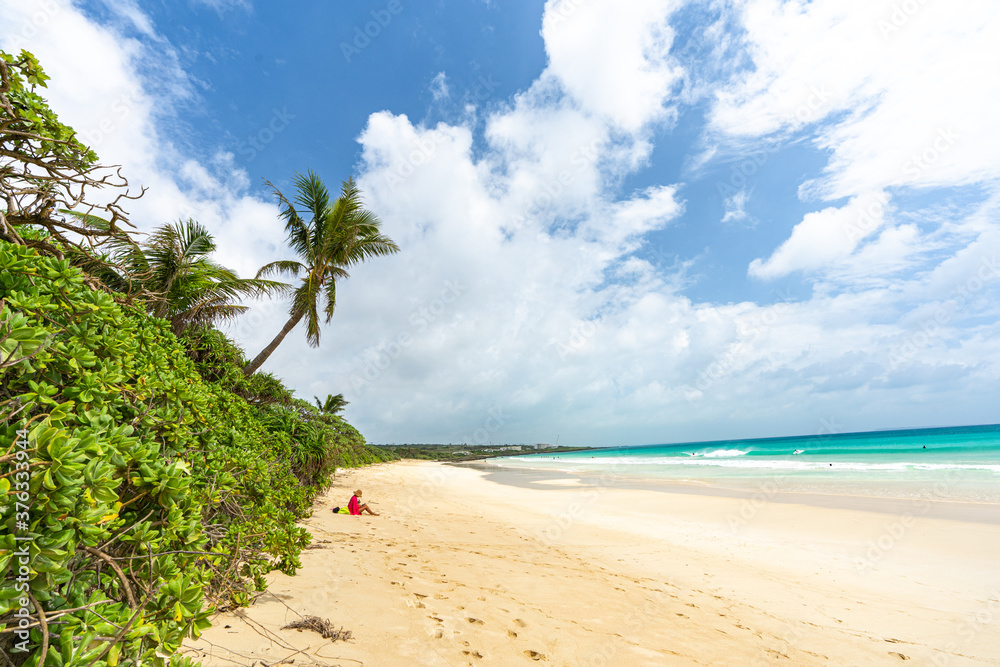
949	464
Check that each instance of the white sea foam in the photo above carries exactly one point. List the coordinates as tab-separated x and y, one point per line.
753	463
721	453
715	459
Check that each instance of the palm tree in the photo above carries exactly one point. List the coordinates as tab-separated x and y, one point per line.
179	280
191	289
336	236
332	405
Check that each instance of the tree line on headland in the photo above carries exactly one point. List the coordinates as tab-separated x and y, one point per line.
149	473
466	452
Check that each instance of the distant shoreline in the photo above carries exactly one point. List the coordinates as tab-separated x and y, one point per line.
465	453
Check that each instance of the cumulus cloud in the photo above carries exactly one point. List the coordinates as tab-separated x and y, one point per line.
824	237
890	107
521	308
613	58
889	111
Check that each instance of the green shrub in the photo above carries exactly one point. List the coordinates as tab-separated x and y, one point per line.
133	459
221	361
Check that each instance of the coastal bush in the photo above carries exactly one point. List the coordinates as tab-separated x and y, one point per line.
145	479
322	441
143	490
220	361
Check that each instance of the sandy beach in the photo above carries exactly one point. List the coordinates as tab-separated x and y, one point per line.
462	570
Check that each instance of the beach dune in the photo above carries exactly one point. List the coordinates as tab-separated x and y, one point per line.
461	570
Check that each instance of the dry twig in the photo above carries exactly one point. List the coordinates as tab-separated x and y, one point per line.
321	625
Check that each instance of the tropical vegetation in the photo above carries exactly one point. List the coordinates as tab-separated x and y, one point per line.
145	478
332	405
184	284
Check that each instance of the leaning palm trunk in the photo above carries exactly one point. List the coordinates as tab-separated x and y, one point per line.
259	360
337	235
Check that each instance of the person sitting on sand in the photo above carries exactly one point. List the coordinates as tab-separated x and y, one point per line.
355	506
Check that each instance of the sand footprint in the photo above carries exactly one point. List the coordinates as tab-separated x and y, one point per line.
475	621
535	655
520	623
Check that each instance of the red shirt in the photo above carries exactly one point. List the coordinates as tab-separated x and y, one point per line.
354	507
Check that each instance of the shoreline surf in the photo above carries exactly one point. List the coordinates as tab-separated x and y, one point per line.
950	464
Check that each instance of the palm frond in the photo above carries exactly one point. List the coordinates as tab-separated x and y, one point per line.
303	298
332	405
297	230
280	267
368	246
330	292
312	326
312	194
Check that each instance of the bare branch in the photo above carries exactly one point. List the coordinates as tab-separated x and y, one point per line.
121	575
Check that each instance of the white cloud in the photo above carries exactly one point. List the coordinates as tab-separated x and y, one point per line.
904	103
223	6
612	58
825	237
527	230
129	11
897	97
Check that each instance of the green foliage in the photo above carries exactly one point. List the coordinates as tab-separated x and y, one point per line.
332	405
38	129
321	441
45	168
221	361
139	453
180	280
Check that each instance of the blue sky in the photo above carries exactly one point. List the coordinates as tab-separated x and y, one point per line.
647	222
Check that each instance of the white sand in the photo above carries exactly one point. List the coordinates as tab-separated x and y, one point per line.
463	571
